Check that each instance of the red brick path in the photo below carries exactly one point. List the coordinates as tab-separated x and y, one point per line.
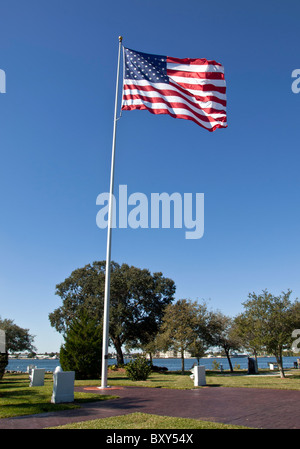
251	407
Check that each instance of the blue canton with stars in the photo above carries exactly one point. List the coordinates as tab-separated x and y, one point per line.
143	66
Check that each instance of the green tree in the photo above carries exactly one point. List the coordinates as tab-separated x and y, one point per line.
221	334
148	345
82	350
180	327
269	321
16	339
244	332
137	302
198	348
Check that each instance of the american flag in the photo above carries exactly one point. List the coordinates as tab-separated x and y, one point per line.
192	89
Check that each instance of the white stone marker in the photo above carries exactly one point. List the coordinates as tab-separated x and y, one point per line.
63	386
198	376
37	377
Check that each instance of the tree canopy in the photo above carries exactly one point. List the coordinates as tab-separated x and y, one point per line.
268	322
183	327
17	339
221	334
137	301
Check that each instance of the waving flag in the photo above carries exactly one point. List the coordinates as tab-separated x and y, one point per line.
192	89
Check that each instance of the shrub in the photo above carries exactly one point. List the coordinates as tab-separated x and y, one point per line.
158	369
215	365
138	369
113	367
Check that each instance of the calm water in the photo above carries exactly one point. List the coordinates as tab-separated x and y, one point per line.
175	364
171	364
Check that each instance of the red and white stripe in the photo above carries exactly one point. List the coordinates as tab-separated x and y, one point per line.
196	91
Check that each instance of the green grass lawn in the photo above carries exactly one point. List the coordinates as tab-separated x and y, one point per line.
147	421
213	379
17	398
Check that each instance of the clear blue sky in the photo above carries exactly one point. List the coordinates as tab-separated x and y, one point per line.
56	123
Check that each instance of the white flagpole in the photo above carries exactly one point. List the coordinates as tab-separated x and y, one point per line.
108	249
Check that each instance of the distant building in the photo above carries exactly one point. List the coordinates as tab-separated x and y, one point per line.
171	355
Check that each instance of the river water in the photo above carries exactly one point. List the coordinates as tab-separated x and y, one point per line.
171	364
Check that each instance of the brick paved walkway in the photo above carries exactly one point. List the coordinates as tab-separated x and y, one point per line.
251	407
